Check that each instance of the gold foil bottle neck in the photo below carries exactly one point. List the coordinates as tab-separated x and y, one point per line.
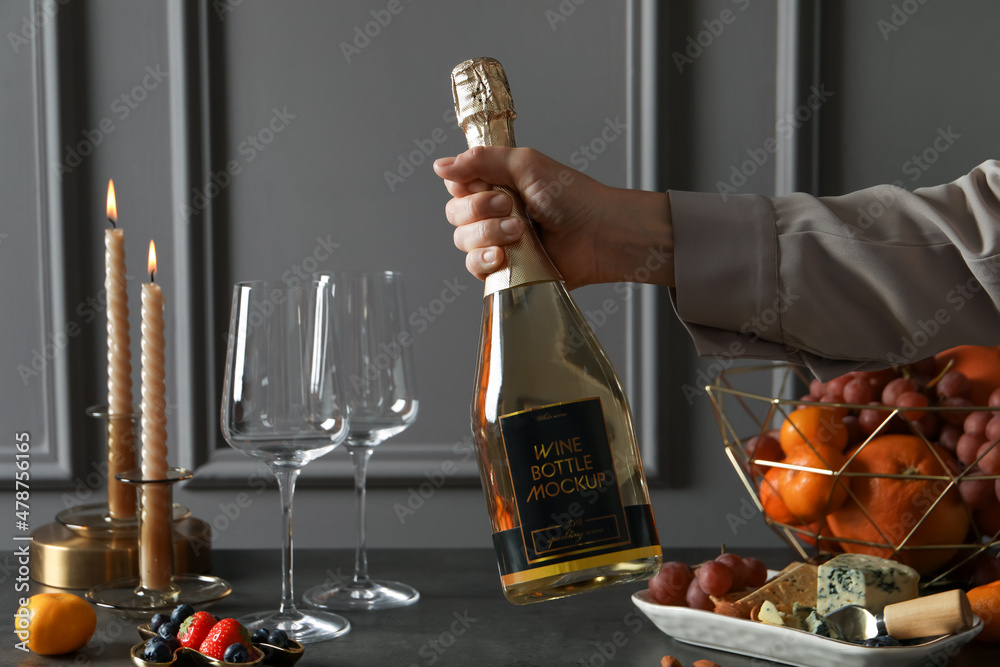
485	111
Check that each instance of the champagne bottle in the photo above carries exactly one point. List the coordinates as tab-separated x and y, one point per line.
556	448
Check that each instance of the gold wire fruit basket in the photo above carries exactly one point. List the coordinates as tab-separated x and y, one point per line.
848	508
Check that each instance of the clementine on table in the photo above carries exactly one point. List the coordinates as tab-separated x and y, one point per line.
985	601
55	623
896	506
813	425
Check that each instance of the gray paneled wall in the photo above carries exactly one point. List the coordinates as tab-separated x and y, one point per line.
253	138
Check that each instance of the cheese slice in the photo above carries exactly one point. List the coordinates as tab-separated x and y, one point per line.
864	580
796	583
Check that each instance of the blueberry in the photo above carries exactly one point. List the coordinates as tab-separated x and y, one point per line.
168	630
157	650
181	612
236	653
260	635
158	620
278	638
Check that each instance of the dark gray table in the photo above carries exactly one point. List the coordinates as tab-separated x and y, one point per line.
461	619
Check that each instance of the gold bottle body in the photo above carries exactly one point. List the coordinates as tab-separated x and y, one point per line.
537	350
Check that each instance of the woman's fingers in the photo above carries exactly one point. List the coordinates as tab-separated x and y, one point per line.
487	233
484	261
478	206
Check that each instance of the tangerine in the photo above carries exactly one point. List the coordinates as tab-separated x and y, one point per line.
813	426
55	623
891	500
771	500
985	602
812	493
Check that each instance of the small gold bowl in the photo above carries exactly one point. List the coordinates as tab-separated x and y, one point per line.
263	654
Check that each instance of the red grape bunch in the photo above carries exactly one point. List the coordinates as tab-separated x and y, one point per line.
969	432
678	585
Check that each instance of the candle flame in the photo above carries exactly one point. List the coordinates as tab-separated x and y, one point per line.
151	264
112	207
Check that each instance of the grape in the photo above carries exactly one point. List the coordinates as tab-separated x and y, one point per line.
912	399
953	416
696	598
816	387
968	447
869	420
953	384
835	387
976	492
994	399
735	563
992	431
671	584
756	572
877	380
895	388
715	578
976	421
948	438
859	392
989	457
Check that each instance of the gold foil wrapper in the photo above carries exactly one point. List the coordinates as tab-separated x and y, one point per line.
486	113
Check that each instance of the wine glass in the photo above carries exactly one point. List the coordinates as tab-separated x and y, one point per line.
371	326
283	403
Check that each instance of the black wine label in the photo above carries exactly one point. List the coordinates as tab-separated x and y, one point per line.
515	567
565	486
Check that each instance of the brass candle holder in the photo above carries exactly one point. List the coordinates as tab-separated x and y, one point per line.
94	543
158	587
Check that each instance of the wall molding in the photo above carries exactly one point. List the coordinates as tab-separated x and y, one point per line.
196	42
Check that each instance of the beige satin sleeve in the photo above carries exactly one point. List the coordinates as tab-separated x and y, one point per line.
878	277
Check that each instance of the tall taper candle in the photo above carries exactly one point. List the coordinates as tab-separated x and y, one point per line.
121	435
156	553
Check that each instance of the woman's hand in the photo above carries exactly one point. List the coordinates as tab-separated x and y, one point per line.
590	231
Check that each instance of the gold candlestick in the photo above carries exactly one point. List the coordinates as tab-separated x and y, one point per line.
159	589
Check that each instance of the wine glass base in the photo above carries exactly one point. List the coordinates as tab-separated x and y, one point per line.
369	596
125	595
303	627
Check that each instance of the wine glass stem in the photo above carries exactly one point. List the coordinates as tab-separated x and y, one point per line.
360	456
286	488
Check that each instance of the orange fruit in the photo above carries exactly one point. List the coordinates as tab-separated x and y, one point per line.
55	623
985	601
809	495
813	425
979	363
771	500
884	510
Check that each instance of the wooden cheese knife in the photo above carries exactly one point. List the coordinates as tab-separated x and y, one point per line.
939	614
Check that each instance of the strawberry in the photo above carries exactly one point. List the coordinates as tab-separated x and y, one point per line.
195	628
224	633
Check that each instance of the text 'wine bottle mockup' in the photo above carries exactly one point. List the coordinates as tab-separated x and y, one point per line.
556	447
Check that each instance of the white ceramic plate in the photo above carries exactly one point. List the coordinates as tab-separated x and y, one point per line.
790	646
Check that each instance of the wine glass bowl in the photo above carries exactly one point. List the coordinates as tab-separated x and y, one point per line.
283	403
371	327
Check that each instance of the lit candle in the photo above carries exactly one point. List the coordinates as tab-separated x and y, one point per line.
157	534
121	436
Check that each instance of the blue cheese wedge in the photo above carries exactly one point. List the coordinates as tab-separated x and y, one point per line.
867	581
